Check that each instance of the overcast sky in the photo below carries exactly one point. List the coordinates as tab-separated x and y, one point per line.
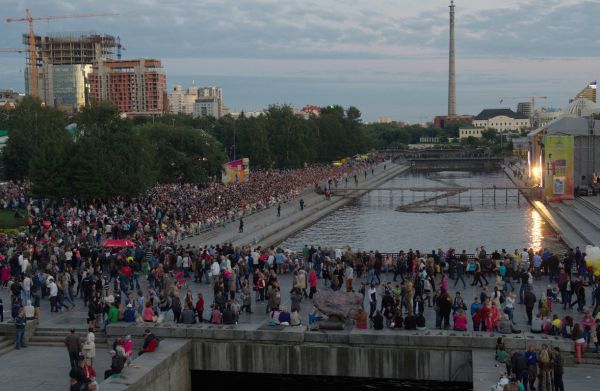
387	57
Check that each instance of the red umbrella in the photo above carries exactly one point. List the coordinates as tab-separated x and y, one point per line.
118	243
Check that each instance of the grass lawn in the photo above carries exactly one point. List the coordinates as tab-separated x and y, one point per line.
8	220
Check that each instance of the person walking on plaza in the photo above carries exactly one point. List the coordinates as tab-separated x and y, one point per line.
558	370
301	204
73	345
278	210
89	346
372	300
532	366
529	301
460	271
20	322
241	226
312	282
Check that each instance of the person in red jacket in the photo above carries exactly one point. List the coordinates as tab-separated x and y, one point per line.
200	307
150	342
312	282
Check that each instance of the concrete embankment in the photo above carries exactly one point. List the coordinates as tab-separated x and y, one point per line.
574	231
395	354
166	369
266	229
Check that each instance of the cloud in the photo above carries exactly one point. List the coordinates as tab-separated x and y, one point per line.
402	43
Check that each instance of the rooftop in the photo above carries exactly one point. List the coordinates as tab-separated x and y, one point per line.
491	113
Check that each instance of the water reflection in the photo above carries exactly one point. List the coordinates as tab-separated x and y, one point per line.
497	220
536	236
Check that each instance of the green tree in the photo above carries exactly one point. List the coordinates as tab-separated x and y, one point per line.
183	154
30	125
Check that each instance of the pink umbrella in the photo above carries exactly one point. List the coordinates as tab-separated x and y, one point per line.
118	243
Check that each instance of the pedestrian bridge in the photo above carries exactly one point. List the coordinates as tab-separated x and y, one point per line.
408	197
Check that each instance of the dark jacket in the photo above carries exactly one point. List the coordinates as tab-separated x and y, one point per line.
117	363
530	299
518	362
73	343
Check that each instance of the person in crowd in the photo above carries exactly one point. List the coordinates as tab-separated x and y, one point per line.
116	366
73	344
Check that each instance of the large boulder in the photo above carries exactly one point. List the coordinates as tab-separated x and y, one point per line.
338	304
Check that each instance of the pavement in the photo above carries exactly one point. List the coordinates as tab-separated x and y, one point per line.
42	368
16	366
265	228
487	371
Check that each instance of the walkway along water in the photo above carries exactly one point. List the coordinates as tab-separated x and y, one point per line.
576	228
266	229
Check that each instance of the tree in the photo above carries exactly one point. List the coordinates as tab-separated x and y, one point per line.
183	154
29	125
489	135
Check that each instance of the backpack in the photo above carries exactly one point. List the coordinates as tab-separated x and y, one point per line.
544	356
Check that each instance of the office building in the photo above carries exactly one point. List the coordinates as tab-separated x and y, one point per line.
182	100
209	102
503	120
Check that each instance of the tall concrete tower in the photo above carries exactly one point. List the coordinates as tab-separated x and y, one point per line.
451	67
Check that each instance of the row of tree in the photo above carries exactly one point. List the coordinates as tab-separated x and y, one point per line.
97	153
281	138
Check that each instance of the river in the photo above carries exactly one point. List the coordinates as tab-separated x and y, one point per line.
372	222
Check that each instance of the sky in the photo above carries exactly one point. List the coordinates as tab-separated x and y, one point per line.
386	57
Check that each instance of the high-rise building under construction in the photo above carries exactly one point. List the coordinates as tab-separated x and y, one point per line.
136	87
64	62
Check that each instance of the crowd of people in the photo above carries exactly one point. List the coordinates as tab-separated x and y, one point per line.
524	369
59	255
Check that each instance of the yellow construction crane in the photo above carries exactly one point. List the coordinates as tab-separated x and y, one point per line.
32	49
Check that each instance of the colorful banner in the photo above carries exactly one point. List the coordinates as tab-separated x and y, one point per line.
236	171
558	168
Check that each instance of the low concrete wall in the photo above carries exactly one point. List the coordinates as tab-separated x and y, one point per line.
332	360
427	355
166	369
9	330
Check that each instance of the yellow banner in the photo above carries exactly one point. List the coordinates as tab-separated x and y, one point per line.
558	168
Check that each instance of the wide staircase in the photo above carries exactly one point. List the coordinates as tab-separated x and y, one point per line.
47	336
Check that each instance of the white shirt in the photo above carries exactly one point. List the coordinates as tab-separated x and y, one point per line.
215	269
53	289
24	265
349	273
27	284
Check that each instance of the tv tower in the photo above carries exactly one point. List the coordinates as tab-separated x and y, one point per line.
451	66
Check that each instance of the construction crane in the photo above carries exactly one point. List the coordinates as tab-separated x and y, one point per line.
7	50
532	99
119	48
32	49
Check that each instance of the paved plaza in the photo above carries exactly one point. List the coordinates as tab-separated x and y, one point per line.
17	365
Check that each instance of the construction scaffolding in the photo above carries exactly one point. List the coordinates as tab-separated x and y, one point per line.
71	49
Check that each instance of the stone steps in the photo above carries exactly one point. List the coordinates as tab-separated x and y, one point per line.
587	213
6	345
56	337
